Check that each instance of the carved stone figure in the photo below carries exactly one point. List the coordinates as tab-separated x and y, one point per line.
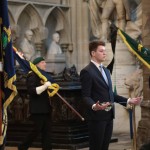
27	46
123	14
103	12
70	74
18	109
95	9
134	83
54	47
134	28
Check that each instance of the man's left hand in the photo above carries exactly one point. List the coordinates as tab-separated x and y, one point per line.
134	101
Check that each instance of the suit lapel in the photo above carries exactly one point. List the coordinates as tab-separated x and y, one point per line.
99	73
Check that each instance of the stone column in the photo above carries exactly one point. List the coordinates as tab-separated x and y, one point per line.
83	53
80	31
143	131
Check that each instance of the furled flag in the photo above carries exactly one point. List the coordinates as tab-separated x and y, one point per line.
141	52
113	37
7	71
28	66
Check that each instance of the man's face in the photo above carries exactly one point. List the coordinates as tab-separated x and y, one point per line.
100	54
42	65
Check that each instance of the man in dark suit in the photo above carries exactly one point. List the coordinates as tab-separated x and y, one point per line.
39	107
99	98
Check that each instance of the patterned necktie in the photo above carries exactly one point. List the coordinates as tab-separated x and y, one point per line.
103	74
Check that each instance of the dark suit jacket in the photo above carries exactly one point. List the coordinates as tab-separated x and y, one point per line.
94	88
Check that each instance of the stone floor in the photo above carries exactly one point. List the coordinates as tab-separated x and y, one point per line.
124	143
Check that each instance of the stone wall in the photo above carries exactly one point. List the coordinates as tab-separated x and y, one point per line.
143	132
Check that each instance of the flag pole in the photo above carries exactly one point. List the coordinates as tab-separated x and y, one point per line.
134	125
70	106
1	73
134	129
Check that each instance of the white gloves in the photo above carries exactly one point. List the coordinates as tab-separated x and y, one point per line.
43	87
47	84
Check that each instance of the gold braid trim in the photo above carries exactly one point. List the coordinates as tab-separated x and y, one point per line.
9	84
54	87
34	68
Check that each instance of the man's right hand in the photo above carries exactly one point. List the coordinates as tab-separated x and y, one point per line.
43	87
47	84
97	106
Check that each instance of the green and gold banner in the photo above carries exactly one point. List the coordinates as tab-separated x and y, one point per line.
141	52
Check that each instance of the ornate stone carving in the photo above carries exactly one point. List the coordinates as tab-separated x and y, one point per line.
46	19
104	12
70	74
134	83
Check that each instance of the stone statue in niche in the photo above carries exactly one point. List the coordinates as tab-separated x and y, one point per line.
134	83
27	46
55	56
54	47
